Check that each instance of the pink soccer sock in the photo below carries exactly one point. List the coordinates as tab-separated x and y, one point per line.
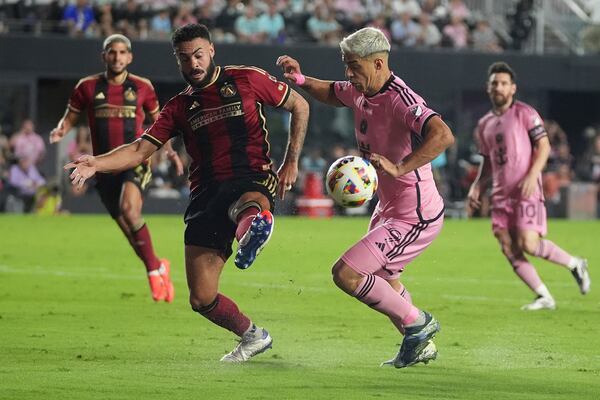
551	252
379	295
225	313
406	294
527	272
244	221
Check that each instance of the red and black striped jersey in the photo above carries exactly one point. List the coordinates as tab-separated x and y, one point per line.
115	112
223	123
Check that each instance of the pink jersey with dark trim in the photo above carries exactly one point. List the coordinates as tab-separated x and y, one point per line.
390	123
507	140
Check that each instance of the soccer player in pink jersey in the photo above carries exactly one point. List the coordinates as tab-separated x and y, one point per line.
515	148
400	134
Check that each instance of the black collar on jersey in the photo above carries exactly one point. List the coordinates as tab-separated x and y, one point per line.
387	84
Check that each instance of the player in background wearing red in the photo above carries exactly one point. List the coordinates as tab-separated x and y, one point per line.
400	134
515	147
220	116
115	101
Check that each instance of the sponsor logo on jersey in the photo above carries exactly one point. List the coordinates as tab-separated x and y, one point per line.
111	111
210	115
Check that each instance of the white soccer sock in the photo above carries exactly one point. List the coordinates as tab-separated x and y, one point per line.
543	291
573	263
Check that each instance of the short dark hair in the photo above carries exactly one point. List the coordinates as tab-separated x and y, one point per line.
190	32
502	67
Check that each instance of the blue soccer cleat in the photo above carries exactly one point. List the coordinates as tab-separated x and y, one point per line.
255	239
416	339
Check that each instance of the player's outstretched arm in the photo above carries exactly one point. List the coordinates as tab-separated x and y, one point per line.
123	157
64	125
437	138
288	172
318	89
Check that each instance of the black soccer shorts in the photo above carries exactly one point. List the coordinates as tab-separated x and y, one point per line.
206	217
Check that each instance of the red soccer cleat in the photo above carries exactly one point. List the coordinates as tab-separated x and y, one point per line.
165	269
157	286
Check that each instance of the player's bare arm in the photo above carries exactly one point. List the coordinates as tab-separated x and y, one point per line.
541	152
318	89
481	181
64	125
171	153
123	157
437	138
288	172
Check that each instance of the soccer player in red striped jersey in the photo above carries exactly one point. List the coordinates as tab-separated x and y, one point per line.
400	134
116	102
515	147
221	118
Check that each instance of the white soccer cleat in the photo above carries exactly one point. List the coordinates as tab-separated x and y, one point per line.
428	353
249	346
582	276
540	303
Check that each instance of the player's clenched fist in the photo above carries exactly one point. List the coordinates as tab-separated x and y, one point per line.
291	69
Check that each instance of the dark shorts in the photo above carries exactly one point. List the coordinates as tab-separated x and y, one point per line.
206	218
110	186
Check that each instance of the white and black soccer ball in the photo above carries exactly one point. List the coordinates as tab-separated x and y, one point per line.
351	181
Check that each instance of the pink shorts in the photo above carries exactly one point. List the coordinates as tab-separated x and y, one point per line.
391	245
521	214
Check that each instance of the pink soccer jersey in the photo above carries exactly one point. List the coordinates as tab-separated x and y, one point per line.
390	123
507	140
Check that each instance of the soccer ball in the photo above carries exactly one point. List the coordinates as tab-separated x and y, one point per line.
351	181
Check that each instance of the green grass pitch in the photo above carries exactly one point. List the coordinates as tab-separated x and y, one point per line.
77	320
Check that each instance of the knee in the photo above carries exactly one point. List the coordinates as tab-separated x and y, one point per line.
529	245
202	302
505	246
345	277
132	215
253	197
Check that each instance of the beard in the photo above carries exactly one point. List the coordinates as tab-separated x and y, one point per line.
115	71
499	100
207	77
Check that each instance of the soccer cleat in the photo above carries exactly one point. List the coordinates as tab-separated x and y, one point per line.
540	303
416	339
255	239
165	269
249	346
429	353
582	276
157	286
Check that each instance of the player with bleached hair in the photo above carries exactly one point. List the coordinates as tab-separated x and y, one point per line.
400	134
515	148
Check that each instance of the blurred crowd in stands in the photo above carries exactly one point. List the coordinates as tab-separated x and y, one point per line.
409	23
